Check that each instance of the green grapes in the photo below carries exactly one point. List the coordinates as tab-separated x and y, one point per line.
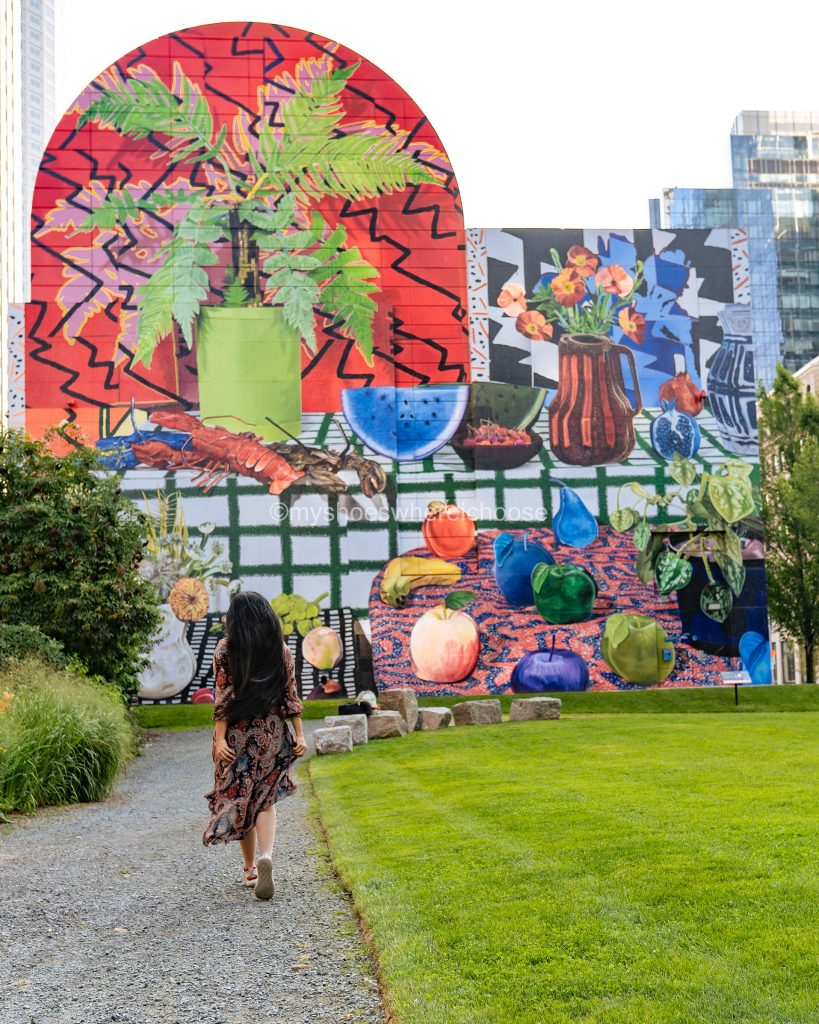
297	613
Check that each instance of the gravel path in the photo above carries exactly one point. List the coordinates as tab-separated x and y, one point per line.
117	912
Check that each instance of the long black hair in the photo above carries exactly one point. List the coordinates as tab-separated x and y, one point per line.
255	641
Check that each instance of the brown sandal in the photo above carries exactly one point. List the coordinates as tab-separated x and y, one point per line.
251	875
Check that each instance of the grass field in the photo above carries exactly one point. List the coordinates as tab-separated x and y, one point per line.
609	869
689	701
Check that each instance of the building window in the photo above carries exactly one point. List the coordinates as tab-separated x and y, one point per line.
789	662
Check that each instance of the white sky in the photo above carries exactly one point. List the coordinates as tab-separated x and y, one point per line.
554	114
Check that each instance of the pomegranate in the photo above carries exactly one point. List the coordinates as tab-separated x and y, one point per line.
682	390
448	531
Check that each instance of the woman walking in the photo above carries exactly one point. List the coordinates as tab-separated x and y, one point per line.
253	748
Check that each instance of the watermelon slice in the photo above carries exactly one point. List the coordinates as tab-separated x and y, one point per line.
516	406
405	424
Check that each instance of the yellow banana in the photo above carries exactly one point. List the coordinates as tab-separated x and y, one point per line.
407	572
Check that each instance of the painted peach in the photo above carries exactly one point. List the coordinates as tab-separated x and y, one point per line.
204	695
448	531
322	648
444	645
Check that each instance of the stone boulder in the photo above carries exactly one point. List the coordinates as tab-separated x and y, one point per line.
403	700
384	725
534	709
356	723
338	740
478	712
430	719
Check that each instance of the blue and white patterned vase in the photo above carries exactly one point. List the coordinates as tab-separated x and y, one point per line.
731	382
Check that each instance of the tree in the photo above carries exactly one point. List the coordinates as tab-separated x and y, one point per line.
789	462
70	547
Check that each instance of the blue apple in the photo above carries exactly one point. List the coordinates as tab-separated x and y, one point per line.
515	558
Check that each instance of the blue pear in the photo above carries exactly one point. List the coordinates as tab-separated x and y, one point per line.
755	651
573	524
515	558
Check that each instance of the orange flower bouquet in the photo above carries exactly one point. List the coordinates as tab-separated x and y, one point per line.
583	297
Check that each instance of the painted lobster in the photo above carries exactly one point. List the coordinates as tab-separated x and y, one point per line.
216	452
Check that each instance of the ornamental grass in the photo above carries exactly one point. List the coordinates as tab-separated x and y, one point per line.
63	738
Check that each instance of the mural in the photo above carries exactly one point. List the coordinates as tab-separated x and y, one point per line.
468	462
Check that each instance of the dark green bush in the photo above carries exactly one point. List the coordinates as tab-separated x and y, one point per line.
20	642
70	547
63	738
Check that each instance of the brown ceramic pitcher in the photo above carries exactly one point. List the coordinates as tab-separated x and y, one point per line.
591	421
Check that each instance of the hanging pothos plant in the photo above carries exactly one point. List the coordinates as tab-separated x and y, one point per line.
719	516
253	193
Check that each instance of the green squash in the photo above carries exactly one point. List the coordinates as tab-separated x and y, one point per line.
563	593
637	648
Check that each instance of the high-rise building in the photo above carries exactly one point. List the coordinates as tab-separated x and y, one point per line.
37	87
10	185
775	199
26	120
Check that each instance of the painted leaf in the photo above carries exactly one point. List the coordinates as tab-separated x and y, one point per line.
297	294
459	599
235	295
139	107
347	283
672	573
682	470
616	630
733	546
716	601
642	535
697	507
261	216
639	490
190	289
732	497
175	292
647	560
738	468
622	519
538	573
734	572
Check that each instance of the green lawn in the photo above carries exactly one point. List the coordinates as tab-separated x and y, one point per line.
710	699
627	870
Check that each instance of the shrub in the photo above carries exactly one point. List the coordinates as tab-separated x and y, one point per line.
20	642
63	738
70	547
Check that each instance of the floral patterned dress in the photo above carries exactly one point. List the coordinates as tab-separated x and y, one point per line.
259	775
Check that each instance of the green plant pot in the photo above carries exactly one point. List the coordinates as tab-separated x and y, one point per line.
248	365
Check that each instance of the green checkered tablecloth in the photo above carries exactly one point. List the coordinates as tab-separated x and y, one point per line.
305	542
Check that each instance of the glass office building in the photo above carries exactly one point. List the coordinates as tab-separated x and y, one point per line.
775	200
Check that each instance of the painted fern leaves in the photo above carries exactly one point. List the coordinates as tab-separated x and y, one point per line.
312	270
142	107
295	160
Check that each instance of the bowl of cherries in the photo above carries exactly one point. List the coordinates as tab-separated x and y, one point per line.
491	446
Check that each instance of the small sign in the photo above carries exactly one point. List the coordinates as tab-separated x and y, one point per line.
735	678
